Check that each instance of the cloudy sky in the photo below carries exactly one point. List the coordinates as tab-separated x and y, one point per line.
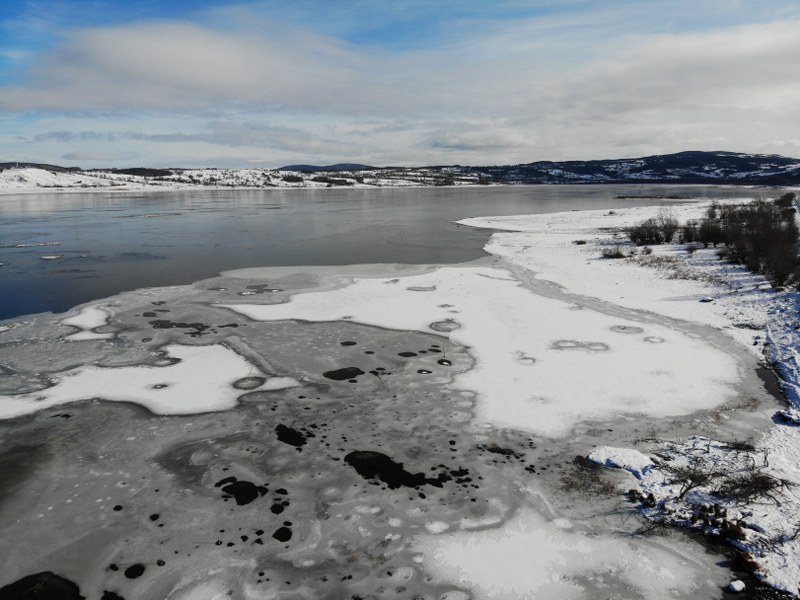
105	83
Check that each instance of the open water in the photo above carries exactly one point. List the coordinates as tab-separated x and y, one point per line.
112	242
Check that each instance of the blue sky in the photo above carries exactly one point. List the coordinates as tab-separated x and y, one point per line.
190	83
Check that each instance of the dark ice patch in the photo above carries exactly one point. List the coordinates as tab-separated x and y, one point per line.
42	586
282	534
376	465
279	505
495	449
135	571
343	373
290	436
244	492
197	329
111	596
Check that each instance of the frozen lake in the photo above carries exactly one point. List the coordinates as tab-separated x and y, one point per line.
348	430
111	242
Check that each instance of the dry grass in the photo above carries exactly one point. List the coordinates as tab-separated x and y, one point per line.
674	267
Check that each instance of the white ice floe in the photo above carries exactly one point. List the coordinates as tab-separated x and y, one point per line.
200	382
622	458
583	368
87	320
529	557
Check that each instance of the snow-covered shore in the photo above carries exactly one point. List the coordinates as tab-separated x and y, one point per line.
721	477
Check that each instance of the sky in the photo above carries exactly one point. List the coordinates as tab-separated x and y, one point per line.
193	83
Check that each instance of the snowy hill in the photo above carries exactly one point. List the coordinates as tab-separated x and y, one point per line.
680	168
683	167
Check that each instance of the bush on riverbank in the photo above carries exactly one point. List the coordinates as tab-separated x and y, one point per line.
761	235
658	230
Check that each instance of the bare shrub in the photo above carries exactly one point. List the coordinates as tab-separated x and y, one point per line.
646	232
667	223
749	485
614	252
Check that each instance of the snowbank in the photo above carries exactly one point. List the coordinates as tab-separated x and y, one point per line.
622	458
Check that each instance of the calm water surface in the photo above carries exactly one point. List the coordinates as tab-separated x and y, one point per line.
113	242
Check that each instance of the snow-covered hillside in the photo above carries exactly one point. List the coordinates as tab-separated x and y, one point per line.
37	179
681	168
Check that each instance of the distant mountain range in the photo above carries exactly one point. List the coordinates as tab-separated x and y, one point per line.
681	168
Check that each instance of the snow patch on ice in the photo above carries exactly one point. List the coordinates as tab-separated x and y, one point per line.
200	382
500	320
530	557
88	319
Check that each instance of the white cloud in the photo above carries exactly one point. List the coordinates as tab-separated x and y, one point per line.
557	87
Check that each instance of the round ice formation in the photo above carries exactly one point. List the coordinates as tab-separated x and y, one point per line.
445	326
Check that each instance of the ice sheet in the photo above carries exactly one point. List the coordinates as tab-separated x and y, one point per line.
542	364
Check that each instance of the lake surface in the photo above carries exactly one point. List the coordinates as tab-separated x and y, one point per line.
111	242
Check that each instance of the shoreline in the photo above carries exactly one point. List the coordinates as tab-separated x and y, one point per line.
156	189
31	184
762	323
